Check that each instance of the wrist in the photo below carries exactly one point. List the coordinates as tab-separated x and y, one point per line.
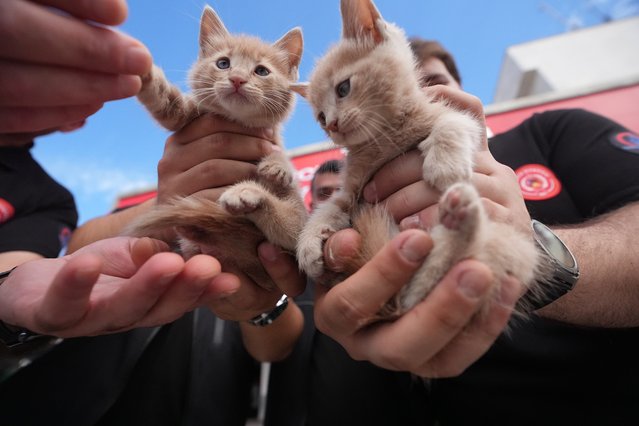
11	335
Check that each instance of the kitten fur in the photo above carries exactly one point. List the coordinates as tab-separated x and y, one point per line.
366	95
245	80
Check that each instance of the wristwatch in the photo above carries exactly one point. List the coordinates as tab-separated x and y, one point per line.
564	269
266	318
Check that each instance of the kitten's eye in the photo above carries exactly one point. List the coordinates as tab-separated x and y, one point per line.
262	71
343	88
223	63
321	118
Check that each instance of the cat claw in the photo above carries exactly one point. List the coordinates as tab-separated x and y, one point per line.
241	200
275	174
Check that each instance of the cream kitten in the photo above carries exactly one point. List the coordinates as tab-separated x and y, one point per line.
247	81
366	95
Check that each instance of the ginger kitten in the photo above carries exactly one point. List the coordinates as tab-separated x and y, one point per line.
365	93
245	80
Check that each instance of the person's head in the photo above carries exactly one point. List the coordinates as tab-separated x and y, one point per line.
326	180
436	64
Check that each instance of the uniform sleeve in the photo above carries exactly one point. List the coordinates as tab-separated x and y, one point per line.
596	159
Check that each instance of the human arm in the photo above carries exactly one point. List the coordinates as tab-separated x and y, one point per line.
56	69
109	286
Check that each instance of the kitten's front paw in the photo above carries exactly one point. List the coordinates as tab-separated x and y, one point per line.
459	206
310	253
442	177
241	200
275	173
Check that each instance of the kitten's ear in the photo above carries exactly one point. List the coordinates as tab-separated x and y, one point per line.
300	88
293	43
211	26
359	20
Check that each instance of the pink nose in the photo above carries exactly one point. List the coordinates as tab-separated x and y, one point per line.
237	81
332	126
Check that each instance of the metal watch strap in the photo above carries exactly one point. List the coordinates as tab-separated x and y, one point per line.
267	318
14	336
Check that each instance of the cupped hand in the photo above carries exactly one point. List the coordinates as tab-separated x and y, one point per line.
111	285
440	337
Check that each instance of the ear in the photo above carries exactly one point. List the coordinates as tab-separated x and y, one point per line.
359	20
211	26
300	88
293	43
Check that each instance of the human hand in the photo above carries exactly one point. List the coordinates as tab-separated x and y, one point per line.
209	155
440	337
400	186
109	286
57	67
250	299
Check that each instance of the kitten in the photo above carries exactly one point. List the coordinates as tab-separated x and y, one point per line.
366	95
245	80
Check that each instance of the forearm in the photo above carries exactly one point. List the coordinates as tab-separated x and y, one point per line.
275	341
607	293
106	226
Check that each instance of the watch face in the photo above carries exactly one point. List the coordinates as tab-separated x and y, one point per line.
554	245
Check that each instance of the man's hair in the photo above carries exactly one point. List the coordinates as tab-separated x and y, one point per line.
426	49
328	166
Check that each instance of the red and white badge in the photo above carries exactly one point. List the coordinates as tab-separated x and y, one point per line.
6	210
537	182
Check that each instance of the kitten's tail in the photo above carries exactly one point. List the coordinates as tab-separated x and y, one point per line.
376	227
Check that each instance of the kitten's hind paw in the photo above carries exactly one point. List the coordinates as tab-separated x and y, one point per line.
459	207
241	199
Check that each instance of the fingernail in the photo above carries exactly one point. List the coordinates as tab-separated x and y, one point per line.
416	247
411	222
370	192
472	284
137	60
269	133
268	252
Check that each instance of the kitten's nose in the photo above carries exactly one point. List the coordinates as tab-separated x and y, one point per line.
237	81
332	126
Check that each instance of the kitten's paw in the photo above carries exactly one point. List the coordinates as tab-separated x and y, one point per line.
310	253
442	177
459	206
275	173
241	200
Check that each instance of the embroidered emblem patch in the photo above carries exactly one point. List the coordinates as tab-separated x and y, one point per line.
537	182
627	141
6	210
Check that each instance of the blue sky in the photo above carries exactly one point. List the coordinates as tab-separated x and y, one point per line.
118	149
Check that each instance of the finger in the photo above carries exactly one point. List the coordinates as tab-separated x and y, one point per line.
246	302
394	175
432	324
206	175
350	305
107	12
23	85
133	298
425	219
282	268
477	338
144	248
211	123
14	120
341	248
66	301
185	290
31	33
411	199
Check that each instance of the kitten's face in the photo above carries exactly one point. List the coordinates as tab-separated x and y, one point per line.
359	89
243	77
